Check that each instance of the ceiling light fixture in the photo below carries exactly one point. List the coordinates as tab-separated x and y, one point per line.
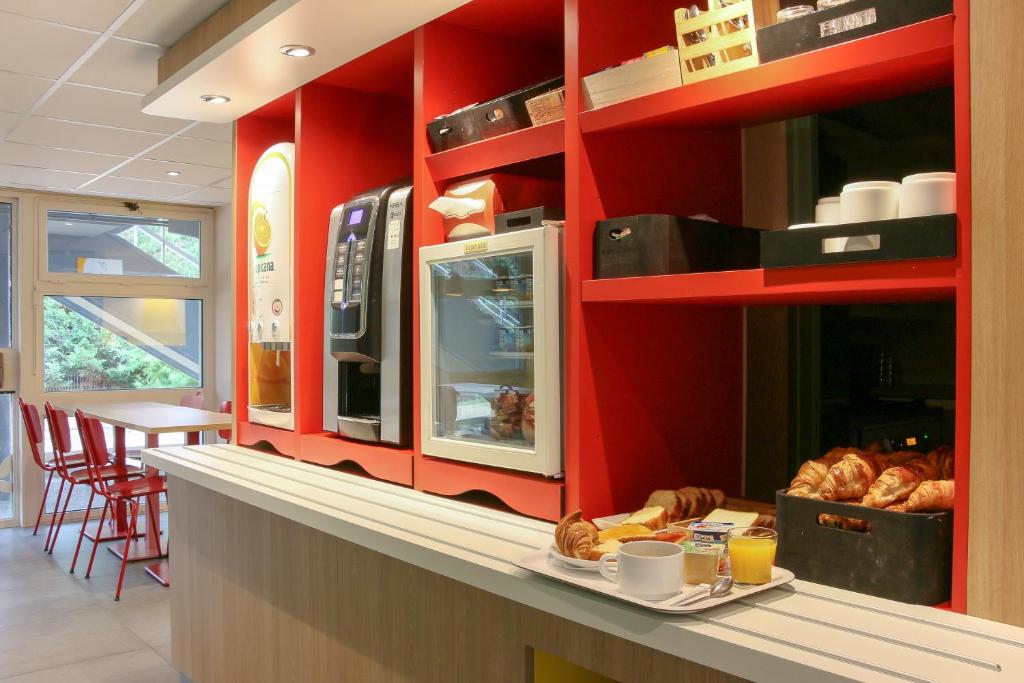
174	174
215	99
297	50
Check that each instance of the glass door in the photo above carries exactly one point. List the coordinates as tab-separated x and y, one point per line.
490	343
7	371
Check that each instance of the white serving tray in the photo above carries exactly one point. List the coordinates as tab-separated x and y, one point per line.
541	562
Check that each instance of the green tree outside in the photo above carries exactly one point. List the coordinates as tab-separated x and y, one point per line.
83	356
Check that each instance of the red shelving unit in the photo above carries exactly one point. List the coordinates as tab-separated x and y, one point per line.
503	150
654	367
899	62
861	283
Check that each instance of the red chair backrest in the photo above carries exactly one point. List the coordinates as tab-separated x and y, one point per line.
95	448
34	429
60	435
225	407
192	400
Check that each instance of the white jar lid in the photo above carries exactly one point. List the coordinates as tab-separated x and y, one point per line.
870	183
937	175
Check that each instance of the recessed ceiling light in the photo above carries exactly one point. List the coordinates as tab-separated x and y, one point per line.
68	223
298	50
215	99
174	173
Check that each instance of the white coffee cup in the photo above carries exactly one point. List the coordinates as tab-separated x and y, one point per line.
928	194
870	200
827	210
650	570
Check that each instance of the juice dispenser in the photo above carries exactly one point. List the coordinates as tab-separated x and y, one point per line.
271	234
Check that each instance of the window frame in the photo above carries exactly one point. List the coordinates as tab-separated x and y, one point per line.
17	479
148	210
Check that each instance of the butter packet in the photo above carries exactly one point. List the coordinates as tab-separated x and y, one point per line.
710	532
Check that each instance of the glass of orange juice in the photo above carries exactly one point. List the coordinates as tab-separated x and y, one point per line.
752	553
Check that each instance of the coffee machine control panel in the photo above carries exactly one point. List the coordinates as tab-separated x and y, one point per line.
351	266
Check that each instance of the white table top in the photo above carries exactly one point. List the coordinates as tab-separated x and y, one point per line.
155	418
803	631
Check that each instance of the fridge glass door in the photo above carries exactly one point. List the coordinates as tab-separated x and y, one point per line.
483	349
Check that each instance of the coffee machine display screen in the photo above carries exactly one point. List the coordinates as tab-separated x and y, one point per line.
355	217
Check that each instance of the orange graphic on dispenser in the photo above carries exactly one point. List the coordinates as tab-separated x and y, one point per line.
260	229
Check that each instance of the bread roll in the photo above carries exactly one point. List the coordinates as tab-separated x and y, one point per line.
668	500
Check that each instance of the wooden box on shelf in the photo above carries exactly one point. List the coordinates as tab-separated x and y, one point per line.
717	42
654	72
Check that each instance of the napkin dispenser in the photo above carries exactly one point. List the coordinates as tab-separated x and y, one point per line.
469	208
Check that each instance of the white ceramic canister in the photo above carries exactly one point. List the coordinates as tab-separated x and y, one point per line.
827	210
870	200
928	194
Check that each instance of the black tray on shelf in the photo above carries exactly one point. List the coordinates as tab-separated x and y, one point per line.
906	556
488	119
903	238
849	21
662	244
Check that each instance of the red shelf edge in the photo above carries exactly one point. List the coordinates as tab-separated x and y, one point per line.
916	57
381	462
283	440
863	282
528	494
503	150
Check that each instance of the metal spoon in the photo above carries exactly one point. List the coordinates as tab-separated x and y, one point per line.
719	589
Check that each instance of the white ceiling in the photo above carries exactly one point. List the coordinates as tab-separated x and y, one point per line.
72	77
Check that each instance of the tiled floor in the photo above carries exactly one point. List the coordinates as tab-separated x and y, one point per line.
56	626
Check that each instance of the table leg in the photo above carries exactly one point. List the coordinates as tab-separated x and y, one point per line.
120	512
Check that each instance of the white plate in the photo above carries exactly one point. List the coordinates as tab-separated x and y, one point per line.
552	565
588	565
603	523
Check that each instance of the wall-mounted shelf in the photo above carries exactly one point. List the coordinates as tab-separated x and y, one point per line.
870	282
899	62
521	145
512	354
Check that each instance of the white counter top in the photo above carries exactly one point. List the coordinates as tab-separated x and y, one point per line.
803	631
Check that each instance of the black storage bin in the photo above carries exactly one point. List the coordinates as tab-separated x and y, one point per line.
903	238
661	244
852	20
906	556
488	119
511	221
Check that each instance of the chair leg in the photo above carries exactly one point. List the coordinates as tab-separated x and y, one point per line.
132	529
96	543
42	504
81	532
60	522
53	517
151	514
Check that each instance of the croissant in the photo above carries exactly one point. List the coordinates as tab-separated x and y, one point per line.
812	473
942	458
576	537
931	496
896	483
850	477
841	522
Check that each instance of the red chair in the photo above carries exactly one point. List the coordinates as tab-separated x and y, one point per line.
114	492
34	430
72	469
225	407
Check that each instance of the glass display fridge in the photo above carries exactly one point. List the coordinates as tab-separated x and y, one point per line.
491	351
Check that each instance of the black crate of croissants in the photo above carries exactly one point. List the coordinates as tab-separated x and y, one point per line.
872	522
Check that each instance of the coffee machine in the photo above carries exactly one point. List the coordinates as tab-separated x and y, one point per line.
367	318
